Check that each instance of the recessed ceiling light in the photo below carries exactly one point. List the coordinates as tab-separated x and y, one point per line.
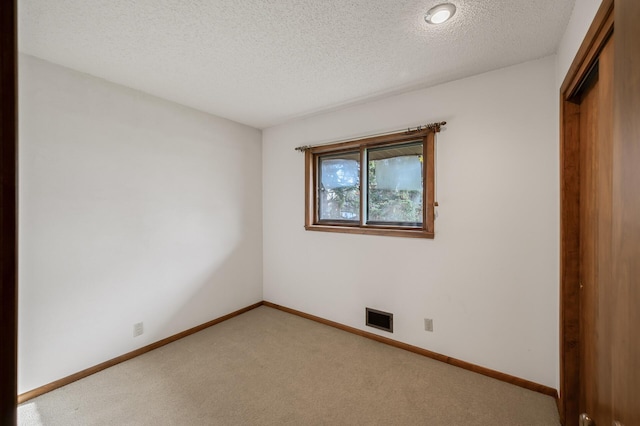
440	13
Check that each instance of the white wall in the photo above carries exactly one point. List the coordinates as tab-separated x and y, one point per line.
581	17
489	279
131	209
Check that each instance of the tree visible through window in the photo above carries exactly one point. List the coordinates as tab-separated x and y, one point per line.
380	185
339	188
395	185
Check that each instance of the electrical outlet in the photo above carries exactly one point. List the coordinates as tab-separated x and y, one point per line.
138	329
428	324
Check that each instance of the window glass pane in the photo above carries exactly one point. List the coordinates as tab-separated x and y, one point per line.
395	184
339	187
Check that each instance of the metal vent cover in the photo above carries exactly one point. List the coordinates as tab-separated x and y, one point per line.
379	319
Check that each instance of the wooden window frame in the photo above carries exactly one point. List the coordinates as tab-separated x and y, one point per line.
427	136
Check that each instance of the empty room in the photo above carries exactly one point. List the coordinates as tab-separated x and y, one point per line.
247	212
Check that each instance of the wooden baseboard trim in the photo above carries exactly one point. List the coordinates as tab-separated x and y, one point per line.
110	363
420	351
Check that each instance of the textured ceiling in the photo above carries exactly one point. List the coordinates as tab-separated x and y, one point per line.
263	62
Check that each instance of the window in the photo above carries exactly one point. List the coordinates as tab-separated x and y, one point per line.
381	185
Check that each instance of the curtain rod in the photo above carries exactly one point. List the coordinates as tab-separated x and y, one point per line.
431	126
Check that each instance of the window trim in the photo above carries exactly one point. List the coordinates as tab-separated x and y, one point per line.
311	164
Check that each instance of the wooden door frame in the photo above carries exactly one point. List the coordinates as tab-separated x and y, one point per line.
597	36
8	212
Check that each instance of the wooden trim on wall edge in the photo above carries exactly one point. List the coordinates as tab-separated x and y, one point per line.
536	387
130	355
420	351
8	211
592	44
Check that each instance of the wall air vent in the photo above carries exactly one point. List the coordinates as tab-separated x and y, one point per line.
379	319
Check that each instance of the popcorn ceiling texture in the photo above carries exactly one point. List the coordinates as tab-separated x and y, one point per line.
263	62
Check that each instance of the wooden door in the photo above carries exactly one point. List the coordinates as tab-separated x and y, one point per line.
595	102
600	223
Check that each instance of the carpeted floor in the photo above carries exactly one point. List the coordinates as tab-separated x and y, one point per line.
267	367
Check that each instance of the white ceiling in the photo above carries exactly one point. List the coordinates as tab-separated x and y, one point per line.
263	62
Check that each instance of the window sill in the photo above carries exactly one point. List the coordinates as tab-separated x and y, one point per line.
370	230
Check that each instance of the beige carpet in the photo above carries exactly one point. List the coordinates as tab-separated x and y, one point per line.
267	367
